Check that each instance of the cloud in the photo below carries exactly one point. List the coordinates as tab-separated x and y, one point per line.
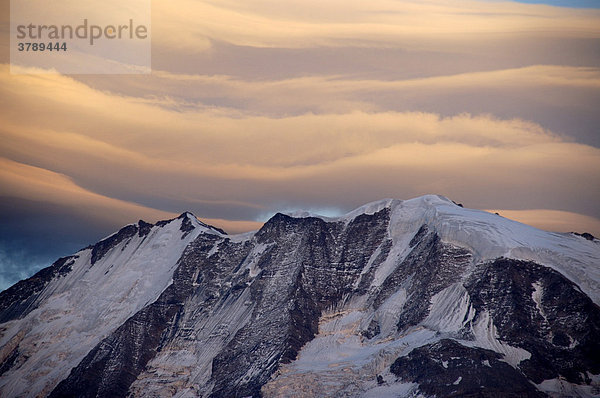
559	98
31	183
385	23
258	107
34	183
322	94
227	164
554	220
386	39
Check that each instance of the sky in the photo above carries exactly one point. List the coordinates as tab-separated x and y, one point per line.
255	107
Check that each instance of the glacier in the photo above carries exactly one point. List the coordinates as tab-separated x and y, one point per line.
408	298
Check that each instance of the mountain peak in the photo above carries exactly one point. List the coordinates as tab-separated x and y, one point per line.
374	207
186	214
360	305
488	236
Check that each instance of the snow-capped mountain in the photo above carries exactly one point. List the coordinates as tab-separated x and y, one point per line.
397	298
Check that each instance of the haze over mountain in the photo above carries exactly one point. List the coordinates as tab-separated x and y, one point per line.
396	298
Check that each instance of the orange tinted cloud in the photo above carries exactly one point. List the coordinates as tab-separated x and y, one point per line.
296	23
232	147
40	185
223	159
554	220
37	184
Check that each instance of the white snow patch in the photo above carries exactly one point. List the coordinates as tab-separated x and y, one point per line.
450	310
251	261
538	291
397	253
369	265
488	236
392	390
339	356
243	237
199	343
388	313
486	337
213	250
558	388
77	311
457	382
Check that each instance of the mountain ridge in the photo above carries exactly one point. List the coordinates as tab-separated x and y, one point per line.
179	308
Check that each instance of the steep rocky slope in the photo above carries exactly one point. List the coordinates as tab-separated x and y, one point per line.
397	298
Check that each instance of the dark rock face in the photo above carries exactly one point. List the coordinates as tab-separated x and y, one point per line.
534	308
9	361
310	265
372	330
449	369
300	277
110	368
367	278
586	235
187	225
144	228
102	247
19	299
113	365
430	267
562	331
262	299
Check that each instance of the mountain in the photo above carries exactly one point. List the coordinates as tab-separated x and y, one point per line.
397	298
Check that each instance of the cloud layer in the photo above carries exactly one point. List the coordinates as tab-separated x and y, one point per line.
320	105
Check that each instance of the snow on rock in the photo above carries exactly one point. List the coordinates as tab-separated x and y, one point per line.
77	311
342	351
195	354
450	310
390	281
251	262
340	361
387	314
538	292
486	336
557	388
489	236
394	390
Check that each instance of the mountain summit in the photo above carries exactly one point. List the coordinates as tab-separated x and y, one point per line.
394	299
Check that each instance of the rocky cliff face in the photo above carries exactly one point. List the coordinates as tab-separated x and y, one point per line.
420	297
